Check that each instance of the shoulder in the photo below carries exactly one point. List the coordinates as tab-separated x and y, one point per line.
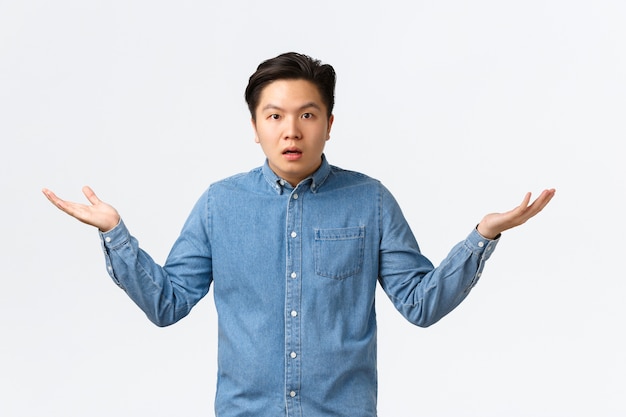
340	177
234	186
235	181
355	176
355	184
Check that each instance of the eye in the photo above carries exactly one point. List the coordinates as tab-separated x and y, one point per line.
307	115
274	116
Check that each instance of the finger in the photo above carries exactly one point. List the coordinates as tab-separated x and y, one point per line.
67	207
91	196
543	199
522	209
540	203
52	197
526	200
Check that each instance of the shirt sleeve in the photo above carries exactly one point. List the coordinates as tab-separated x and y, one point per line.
421	292
165	293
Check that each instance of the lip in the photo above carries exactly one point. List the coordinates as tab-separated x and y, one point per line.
292	153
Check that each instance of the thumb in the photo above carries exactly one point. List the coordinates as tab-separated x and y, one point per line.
91	196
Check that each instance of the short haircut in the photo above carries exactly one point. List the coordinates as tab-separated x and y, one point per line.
292	66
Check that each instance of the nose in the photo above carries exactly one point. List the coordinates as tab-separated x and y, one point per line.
292	129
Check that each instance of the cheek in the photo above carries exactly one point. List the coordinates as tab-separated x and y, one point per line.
259	134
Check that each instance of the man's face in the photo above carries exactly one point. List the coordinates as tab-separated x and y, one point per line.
292	128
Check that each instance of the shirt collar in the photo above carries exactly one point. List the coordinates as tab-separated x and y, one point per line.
317	178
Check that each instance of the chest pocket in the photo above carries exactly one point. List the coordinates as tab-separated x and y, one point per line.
339	252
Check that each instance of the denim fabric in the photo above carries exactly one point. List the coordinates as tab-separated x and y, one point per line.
294	272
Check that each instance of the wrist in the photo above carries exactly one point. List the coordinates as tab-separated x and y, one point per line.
110	226
486	232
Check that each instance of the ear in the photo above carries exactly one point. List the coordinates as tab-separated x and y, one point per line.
256	136
331	119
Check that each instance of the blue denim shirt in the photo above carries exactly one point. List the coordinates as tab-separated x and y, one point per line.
294	272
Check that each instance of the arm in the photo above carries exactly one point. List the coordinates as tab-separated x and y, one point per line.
165	294
424	294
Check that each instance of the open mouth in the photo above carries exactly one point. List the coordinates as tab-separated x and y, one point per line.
292	154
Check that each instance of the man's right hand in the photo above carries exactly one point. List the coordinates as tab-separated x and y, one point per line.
98	214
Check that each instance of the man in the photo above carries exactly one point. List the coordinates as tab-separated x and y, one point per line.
294	250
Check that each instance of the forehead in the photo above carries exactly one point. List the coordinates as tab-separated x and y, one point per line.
290	93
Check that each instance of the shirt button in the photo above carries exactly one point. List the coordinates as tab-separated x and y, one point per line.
294	313
295	196
294	275
107	239
481	244
294	234
293	355
292	394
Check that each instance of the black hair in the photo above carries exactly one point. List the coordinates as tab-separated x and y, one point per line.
292	66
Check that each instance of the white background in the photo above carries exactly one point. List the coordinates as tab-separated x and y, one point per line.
458	107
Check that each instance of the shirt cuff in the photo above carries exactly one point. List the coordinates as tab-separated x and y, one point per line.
115	237
480	245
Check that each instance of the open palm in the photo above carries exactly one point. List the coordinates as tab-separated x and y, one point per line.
98	213
495	223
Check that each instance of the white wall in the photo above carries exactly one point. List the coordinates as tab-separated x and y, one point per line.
458	107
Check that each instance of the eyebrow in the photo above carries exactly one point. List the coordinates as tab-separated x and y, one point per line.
271	106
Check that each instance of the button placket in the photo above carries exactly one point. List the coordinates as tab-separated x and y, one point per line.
292	304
